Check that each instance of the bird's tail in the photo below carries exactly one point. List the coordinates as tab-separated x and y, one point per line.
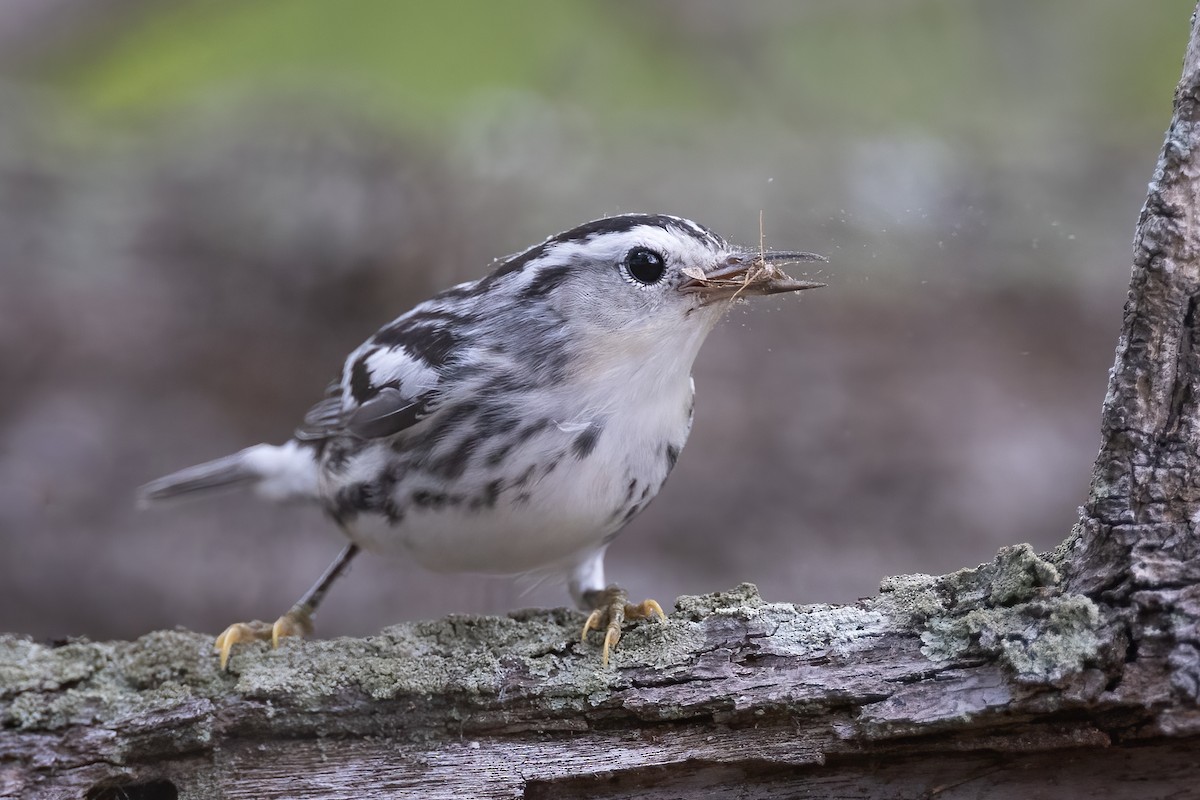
284	472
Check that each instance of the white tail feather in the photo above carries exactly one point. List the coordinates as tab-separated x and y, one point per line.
285	472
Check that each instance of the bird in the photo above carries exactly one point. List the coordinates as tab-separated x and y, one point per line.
514	424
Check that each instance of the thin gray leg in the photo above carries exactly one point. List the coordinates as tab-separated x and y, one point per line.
313	597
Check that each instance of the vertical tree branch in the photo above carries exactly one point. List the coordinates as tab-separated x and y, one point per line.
1137	527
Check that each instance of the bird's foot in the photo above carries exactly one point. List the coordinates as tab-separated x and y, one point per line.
296	622
610	609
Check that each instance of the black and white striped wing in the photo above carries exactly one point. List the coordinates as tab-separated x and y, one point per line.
388	384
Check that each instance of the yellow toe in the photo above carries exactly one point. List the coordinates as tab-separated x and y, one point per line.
610	613
645	610
592	623
611	637
297	622
236	633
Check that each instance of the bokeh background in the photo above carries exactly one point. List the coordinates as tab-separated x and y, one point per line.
205	205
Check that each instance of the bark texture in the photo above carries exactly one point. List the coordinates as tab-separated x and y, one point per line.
1072	673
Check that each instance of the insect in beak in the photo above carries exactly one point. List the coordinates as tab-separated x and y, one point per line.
749	272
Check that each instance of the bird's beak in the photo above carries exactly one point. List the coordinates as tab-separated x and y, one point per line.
750	273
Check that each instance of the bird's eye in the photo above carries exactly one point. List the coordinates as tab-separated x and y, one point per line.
644	265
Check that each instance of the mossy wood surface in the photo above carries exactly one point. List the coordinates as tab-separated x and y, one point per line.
1075	673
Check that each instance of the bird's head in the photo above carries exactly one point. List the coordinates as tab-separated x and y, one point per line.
645	281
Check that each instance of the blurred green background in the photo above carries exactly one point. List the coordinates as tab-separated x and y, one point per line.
205	205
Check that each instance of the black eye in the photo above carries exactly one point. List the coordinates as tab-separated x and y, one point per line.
644	265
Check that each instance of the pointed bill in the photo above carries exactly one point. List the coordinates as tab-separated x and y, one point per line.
750	272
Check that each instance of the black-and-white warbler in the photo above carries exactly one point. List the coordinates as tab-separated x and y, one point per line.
516	423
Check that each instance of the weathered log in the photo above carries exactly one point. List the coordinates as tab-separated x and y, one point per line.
1001	662
1071	673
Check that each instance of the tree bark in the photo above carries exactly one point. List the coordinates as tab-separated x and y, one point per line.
1070	673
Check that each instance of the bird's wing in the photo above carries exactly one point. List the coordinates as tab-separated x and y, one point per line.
325	418
386	414
389	383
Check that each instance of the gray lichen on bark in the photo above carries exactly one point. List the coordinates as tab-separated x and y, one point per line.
1012	610
45	687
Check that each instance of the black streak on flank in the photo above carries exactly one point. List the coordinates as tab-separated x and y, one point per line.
497	421
585	442
454	463
497	456
394	473
337	456
392	512
525	476
448	421
351	501
491	493
435	500
532	429
672	456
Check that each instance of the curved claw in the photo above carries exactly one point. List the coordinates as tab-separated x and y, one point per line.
236	633
296	622
611	637
645	609
610	610
592	623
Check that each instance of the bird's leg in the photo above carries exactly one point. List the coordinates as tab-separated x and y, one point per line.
610	608
296	622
